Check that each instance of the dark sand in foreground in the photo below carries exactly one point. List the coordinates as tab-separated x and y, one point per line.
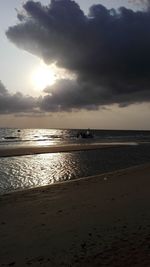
98	221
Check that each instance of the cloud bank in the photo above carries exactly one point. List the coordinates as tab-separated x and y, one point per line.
108	50
15	103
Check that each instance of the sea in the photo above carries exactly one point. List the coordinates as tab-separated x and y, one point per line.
30	171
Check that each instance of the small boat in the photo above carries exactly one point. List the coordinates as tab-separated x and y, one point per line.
10	137
85	134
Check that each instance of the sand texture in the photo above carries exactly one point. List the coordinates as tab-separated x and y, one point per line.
30	150
98	221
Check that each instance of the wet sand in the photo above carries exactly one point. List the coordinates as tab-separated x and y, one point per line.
96	221
30	150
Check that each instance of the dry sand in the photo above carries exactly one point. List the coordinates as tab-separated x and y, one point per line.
27	150
98	221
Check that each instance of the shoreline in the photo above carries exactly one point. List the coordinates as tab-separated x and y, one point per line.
101	176
31	150
101	220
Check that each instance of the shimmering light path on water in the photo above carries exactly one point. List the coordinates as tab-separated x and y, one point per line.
37	170
40	137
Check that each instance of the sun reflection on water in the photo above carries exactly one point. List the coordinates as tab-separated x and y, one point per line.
38	170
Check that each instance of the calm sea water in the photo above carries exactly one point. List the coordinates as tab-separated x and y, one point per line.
15	137
36	170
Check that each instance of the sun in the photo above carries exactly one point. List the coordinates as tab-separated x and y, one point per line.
43	76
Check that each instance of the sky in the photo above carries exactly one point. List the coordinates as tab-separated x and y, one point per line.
75	64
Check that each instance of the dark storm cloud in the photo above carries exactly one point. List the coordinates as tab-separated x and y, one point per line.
14	103
108	50
66	95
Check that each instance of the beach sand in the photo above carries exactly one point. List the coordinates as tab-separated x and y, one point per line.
30	150
98	221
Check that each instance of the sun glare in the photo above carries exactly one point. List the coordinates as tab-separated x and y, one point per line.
43	76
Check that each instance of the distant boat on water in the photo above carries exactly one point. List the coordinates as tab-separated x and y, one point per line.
10	137
85	134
